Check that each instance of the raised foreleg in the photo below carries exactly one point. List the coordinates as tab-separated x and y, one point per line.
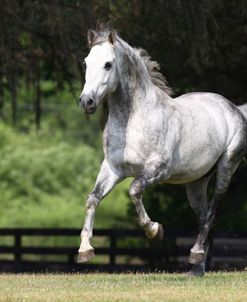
155	170
105	182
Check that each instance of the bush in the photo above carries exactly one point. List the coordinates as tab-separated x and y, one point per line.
43	182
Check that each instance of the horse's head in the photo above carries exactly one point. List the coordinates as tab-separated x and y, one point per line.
100	77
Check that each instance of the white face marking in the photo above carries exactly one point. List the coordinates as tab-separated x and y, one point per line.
99	78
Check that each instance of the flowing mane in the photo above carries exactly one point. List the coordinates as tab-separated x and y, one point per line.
153	68
138	55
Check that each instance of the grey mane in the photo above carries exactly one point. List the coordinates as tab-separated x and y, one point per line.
153	68
136	56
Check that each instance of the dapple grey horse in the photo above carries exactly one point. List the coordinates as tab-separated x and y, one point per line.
156	138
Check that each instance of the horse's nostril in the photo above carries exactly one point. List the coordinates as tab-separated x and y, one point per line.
90	102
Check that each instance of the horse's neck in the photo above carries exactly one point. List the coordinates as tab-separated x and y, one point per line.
135	90
128	100
119	106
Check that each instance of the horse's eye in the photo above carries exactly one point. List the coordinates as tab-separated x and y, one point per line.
108	65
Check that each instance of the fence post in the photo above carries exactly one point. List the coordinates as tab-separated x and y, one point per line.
17	247
112	249
71	259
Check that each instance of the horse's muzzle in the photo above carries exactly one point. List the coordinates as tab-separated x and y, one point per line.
90	110
88	104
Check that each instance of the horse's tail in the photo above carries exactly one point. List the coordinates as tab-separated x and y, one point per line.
243	109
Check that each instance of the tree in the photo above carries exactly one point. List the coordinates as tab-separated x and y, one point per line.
41	40
199	44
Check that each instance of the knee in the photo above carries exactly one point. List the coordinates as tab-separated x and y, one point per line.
136	189
92	201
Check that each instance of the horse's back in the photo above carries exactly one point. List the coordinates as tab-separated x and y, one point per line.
212	111
210	124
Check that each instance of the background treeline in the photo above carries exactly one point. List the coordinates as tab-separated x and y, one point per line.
45	175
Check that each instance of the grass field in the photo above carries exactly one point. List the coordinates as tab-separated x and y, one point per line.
123	287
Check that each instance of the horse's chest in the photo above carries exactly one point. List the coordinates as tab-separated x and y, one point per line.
126	151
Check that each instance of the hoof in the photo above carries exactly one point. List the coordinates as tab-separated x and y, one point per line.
197	270
158	233
196	258
192	273
85	256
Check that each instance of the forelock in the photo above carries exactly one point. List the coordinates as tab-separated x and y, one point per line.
101	34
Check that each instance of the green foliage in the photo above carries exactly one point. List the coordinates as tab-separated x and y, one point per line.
45	182
40	178
61	115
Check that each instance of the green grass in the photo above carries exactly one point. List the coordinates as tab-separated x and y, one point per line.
123	287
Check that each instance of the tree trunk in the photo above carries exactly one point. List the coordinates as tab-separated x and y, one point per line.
12	83
1	98
37	104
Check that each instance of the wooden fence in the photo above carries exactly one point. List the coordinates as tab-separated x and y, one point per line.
36	250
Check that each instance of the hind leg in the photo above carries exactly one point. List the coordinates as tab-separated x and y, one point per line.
226	166
197	197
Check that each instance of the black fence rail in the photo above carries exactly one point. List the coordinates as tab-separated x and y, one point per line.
29	250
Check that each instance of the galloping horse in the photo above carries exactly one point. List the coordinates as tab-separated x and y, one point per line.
156	138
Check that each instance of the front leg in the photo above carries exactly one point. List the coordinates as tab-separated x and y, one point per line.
155	170
105	182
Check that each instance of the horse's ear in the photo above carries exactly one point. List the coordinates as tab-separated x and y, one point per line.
111	37
91	36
